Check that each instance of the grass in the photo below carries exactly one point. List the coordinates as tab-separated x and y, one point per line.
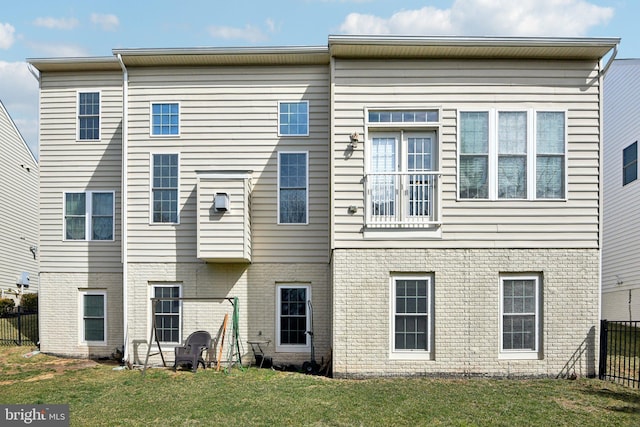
101	396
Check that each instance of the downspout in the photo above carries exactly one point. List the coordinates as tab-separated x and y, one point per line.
601	75
124	210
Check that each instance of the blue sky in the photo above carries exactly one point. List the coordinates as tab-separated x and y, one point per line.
46	28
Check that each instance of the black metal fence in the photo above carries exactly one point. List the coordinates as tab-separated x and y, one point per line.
19	327
620	352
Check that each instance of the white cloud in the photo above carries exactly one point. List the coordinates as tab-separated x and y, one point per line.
6	35
56	23
106	22
19	91
248	33
57	50
271	25
487	17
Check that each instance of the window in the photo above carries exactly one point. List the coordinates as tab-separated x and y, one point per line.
519	306
512	155
94	318
165	188
293	321
165	119
411	316
630	163
293	118
292	187
418	116
550	152
89	216
167	313
474	155
89	115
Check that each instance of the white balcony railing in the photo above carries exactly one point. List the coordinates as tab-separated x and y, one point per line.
402	199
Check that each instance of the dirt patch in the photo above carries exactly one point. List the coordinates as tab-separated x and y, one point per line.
48	366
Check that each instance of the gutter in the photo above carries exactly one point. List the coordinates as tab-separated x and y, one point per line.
124	209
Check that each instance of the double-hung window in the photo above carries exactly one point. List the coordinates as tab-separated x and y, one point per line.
89	215
520	316
411	321
164	188
293	181
630	163
512	155
88	116
293	317
165	119
168	313
94	316
293	118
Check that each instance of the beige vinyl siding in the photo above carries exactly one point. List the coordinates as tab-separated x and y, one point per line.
69	165
228	121
472	85
621	226
19	207
224	236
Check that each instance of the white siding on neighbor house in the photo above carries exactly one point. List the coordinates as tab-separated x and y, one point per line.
228	121
19	207
472	85
70	165
621	226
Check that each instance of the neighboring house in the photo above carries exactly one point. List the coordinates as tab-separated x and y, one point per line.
19	211
621	225
436	199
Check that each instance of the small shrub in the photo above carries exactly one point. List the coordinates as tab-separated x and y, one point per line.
6	305
29	302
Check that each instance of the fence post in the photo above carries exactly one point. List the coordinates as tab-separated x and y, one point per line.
602	369
19	325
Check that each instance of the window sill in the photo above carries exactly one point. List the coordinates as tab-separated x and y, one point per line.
519	356
293	349
410	355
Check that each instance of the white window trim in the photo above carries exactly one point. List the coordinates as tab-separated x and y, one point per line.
410	354
306	153
87	217
531	153
151	222
287	135
99	92
153	135
293	348
151	312
521	354
81	336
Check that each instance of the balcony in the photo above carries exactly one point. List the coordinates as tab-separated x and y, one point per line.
403	199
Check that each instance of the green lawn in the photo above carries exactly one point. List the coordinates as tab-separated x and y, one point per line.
101	396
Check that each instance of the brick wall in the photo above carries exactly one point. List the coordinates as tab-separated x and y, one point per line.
253	284
466	296
60	313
